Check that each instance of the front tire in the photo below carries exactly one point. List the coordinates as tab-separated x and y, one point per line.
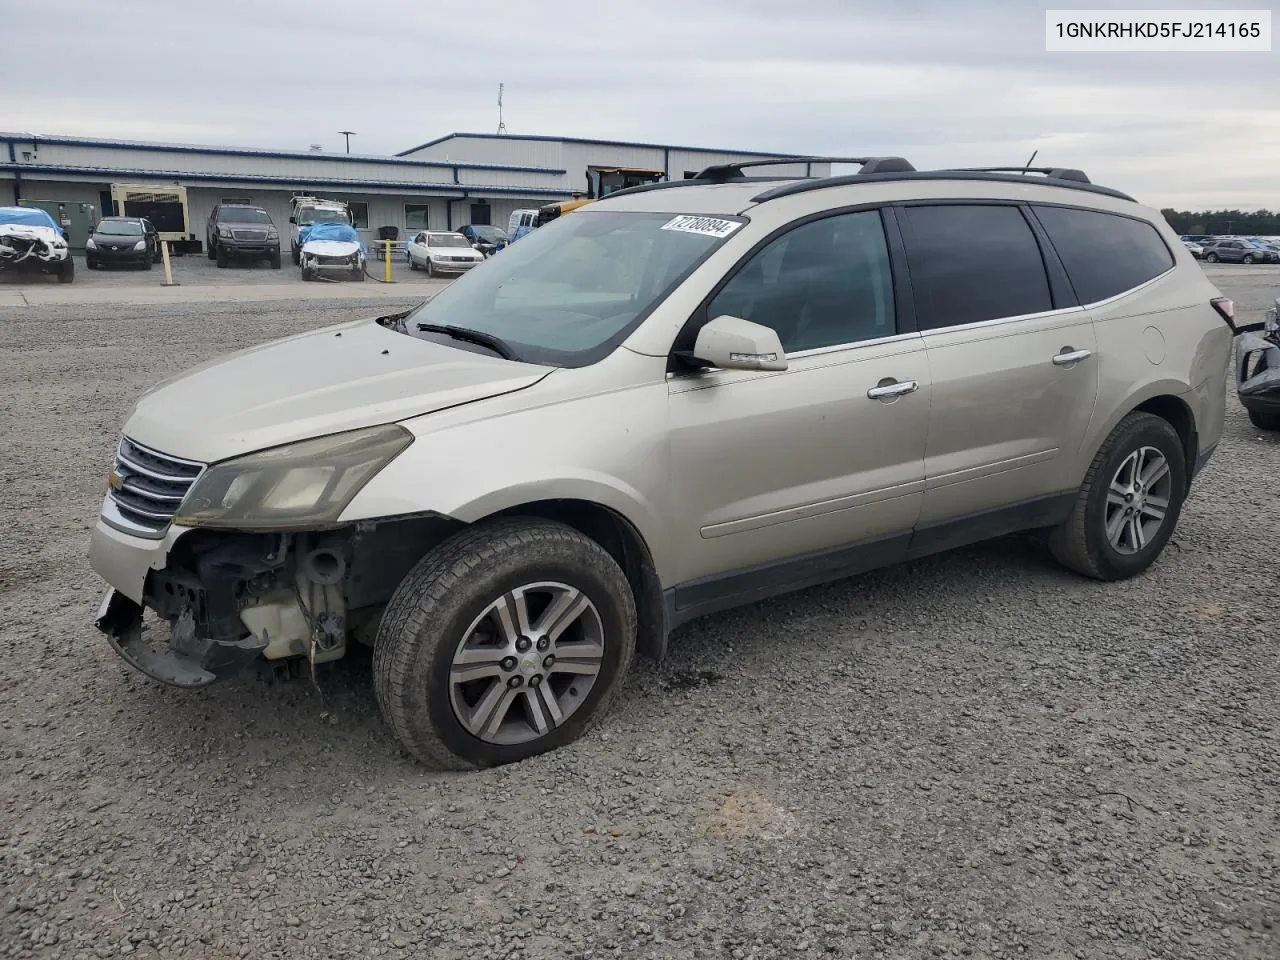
211	252
275	260
1129	503
1264	421
67	271
221	257
507	640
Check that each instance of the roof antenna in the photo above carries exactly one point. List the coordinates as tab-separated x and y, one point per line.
502	127
1029	162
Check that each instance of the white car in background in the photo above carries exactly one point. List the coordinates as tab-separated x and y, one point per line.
438	252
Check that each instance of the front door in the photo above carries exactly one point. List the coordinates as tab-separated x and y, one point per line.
781	478
1014	371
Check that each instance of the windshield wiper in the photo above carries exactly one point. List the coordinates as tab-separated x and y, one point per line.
497	345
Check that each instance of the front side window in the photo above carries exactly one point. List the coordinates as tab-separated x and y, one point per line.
1105	254
971	263
570	292
819	285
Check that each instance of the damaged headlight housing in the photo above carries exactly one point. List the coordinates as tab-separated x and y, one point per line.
304	484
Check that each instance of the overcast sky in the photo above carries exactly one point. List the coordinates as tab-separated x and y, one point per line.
965	82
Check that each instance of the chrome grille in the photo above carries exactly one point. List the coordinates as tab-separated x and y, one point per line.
249	234
151	487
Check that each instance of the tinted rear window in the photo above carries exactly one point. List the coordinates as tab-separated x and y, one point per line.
1104	253
971	263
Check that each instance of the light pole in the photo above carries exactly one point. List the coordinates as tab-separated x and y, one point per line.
347	134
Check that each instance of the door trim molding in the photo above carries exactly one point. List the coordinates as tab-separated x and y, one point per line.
723	591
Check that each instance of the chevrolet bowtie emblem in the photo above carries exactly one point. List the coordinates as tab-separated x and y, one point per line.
114	480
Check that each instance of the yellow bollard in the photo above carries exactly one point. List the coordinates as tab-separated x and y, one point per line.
168	271
388	258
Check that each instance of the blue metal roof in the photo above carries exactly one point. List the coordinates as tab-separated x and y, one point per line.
603	143
397	160
172	176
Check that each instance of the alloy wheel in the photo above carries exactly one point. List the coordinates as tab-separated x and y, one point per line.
526	663
1138	500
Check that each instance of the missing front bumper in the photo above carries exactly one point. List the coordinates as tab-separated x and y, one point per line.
188	660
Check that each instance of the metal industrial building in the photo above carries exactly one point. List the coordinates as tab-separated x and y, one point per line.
441	185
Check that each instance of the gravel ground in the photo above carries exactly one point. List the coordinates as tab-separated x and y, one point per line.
972	755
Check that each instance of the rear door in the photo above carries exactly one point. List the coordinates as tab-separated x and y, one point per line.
1012	361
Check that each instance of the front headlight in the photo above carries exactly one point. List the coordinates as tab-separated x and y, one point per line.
273	233
90	245
140	245
224	231
298	485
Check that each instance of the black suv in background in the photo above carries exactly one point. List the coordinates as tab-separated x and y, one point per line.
240	230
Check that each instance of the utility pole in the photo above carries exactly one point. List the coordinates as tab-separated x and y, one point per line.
502	127
347	134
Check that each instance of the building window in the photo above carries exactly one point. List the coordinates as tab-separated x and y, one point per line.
244	200
359	214
415	216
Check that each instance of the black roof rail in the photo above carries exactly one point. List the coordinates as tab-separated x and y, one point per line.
821	183
1054	173
720	172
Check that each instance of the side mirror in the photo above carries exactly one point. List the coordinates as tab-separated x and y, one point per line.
732	343
293	219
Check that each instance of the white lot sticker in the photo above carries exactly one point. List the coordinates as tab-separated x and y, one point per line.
708	226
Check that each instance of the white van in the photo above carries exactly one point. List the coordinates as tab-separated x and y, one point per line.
518	219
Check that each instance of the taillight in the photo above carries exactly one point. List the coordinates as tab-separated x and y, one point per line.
1226	308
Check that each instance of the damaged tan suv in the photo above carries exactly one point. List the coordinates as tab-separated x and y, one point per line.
685	397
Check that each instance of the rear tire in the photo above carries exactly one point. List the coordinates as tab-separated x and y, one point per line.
1264	421
1097	539
446	602
1248	258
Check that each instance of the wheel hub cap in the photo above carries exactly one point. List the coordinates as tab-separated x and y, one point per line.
526	663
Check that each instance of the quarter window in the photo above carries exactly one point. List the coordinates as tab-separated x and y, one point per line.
971	263
824	283
1105	254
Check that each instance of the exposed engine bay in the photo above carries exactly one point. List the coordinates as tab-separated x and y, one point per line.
24	245
230	599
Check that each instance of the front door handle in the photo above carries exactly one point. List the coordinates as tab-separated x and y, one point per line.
888	390
1071	356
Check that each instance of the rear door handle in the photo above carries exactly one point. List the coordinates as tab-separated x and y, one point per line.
896	388
1072	356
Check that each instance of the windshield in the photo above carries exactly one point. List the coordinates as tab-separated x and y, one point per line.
573	290
313	215
489	233
243	215
446	240
119	228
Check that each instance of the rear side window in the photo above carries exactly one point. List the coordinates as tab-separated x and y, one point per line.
1104	253
970	263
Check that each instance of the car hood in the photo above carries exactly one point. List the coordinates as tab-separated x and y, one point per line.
325	381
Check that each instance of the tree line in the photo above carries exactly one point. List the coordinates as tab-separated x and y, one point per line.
1245	223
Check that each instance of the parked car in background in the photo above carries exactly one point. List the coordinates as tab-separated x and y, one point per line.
438	252
32	242
124	241
241	231
1200	238
485	238
1239	251
305	212
1197	251
332	248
